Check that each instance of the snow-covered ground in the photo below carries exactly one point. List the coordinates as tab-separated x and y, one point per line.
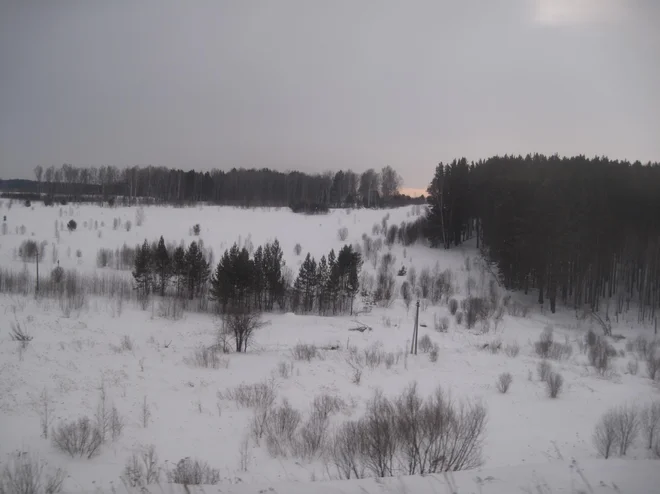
530	438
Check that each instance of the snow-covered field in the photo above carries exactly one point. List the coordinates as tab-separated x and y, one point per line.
531	439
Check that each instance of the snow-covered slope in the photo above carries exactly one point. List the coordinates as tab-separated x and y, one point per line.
530	438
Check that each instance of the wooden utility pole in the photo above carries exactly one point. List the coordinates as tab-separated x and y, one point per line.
413	346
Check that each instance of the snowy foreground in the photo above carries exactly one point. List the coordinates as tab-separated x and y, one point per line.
532	444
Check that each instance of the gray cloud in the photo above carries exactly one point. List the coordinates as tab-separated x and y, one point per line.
325	85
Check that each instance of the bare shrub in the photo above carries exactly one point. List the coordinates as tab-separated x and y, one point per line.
77	438
516	309
346	451
285	369
142	469
243	325
170	308
297	249
406	294
312	437
206	357
437	435
641	346
356	374
512	349
342	233
441	324
627	427
374	355
542	346
104	257
125	345
433	354
649	418
326	405
304	351
19	333
385	282
453	306
504	382
29	249
282	424
543	370
193	472
378	439
145	412
27	474
633	366
259	423
494	346
606	435
459	317
258	395
139	216
652	366
554	383
390	360
425	344
44	406
599	352
476	309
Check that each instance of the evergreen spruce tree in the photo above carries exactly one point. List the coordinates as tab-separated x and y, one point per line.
306	283
197	270
323	278
162	265
142	270
179	269
272	271
332	288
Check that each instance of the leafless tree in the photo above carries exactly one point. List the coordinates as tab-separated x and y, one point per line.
390	182
606	436
243	324
650	422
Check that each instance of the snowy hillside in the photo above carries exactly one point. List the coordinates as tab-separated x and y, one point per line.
147	364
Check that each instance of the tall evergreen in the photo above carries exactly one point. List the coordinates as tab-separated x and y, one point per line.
272	266
306	283
142	270
179	269
197	270
232	283
162	265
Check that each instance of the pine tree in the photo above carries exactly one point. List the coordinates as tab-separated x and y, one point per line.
179	269
348	267
232	283
142	270
323	278
162	265
333	284
272	271
259	278
197	270
306	283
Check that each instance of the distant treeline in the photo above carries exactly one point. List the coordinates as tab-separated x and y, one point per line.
239	187
584	231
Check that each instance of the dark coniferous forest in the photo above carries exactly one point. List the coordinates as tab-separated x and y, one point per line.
580	231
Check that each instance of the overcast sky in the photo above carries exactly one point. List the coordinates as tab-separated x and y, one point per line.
324	85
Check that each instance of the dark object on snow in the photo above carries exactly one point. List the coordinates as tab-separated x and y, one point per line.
360	327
